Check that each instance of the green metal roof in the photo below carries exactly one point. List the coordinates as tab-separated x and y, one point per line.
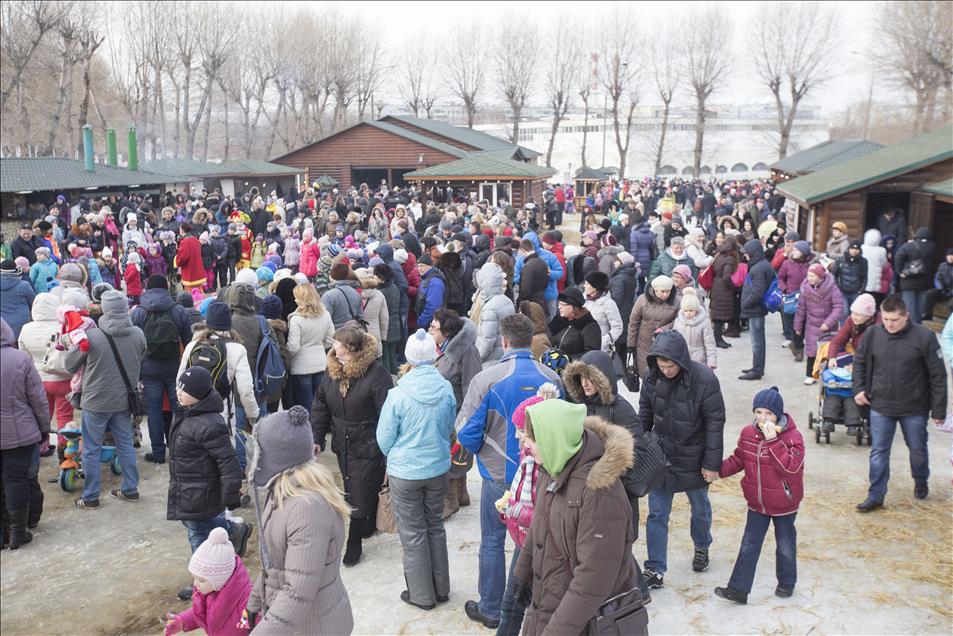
417	137
189	168
468	136
326	181
41	174
824	155
482	165
877	166
590	174
943	187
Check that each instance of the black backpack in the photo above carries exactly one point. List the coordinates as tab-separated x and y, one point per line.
162	336
212	356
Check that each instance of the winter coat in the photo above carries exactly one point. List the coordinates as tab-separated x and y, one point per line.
700	338
451	265
374	307
876	259
721	297
792	273
556	270
24	410
641	240
240	376
158	301
343	302
576	337
404	275
773	483
392	304
623	285
534	278
188	258
309	338
650	314
204	475
41	273
606	313
103	388
597	367
234	248
301	592
459	360
558	250
919	248
850	273
219	249
541	343
896	227
821	305
430	297
133	280
837	247
578	550
687	413
241	300
495	306
16	299
849	332
26	249
606	258
760	275
416	424
292	253
902	373
348	404
308	258
36	335
218	613
666	263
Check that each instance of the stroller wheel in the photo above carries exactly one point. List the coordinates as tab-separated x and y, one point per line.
817	435
69	479
827	438
860	435
810	419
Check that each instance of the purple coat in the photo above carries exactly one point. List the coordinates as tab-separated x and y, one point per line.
24	410
819	305
791	274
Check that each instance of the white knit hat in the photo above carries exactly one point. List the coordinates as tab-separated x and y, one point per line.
421	348
214	560
246	276
107	253
400	256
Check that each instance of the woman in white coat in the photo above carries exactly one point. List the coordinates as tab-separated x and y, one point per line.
603	309
310	335
491	307
374	307
876	261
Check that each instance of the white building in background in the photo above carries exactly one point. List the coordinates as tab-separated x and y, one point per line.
740	141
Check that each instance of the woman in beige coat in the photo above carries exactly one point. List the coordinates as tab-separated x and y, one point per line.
655	309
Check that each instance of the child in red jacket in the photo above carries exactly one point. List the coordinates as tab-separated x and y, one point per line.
771	452
133	278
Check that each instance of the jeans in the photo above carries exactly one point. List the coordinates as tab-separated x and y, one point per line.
153	390
199	529
304	387
756	328
882	429
95	425
785	555
656	526
240	452
848	301
492	555
787	325
511	612
418	509
551	307
916	302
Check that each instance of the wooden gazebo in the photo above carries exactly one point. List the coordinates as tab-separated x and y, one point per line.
491	178
587	181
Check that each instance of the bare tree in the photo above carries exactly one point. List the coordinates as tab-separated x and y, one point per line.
665	72
369	73
89	38
562	78
706	63
213	49
589	81
66	50
466	67
794	54
619	72
517	50
418	76
23	25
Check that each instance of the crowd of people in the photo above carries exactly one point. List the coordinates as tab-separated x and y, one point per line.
425	336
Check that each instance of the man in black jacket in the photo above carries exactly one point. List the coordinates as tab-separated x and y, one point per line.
25	245
204	475
914	266
534	277
900	374
681	401
760	275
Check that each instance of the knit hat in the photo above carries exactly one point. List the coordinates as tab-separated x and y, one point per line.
665	215
592	236
246	276
133	257
97	292
598	280
547	391
8	266
792	236
214	560
421	348
218	316
855	244
625	258
676	219
662	283
205	304
803	247
865	305
106	253
22	263
817	269
572	296
403	225
114	302
157	281
271	307
550	237
265	274
684	271
282	440
185	299
839	225
690	300
339	271
769	399
196	381
425	260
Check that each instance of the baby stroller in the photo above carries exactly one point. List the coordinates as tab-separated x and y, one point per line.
835	401
71	468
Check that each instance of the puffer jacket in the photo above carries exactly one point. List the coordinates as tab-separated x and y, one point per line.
459	360
204	475
24	410
556	269
700	337
41	273
576	337
792	273
773	483
876	259
597	367
348	404
650	314
343	302
920	248
666	263
292	253
241	300
606	314
35	337
308	258
623	285
16	299
641	239
821	305
309	338
687	413
578	550
416	424
850	273
760	275
374	308
495	306
606	258
721	304
392	301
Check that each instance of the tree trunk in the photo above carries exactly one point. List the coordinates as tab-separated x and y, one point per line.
661	142
160	97
517	111
186	95
227	137
178	122
557	118
208	125
194	128
471	113
84	104
699	133
786	129
585	129
60	102
428	109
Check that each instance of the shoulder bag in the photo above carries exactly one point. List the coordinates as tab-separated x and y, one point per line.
137	404
54	360
623	614
385	511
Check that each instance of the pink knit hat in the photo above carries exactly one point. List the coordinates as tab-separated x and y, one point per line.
214	560
817	269
684	271
865	305
546	392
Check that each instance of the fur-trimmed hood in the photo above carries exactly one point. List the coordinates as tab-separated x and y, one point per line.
356	367
617	457
576	371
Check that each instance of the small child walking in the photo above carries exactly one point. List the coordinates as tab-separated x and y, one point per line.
222	588
771	453
693	323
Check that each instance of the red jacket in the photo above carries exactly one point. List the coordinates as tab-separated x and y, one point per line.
557	250
849	333
218	613
188	258
133	280
774	470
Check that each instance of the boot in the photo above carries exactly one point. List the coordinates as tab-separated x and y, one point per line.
464	496
18	532
36	505
798	353
353	551
370	525
451	502
719	328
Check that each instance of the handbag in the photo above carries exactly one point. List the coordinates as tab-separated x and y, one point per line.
741	272
54	360
385	511
137	404
650	466
624	613
789	302
706	278
631	378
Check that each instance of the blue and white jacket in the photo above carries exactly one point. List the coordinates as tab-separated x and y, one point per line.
555	267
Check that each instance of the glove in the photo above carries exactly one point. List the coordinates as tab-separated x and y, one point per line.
233	500
248	620
523	594
173	624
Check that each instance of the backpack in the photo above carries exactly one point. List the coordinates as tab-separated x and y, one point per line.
162	336
773	298
269	367
212	356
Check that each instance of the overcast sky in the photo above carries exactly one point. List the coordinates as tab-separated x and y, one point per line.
396	21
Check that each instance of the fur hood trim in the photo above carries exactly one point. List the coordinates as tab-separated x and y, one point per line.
618	457
343	374
572	380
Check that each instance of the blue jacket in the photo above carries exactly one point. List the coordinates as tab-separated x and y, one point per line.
483	424
640	246
555	267
433	288
41	273
760	275
415	425
16	299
